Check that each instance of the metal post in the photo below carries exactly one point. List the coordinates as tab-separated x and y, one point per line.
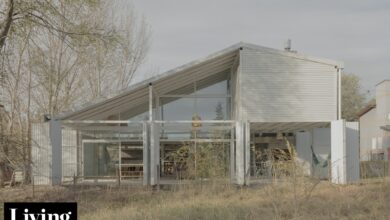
154	143
120	160
240	157
146	169
232	156
339	94
247	152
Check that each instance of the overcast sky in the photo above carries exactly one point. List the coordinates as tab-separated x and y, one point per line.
354	31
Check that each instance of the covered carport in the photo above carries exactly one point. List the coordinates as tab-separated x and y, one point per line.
333	145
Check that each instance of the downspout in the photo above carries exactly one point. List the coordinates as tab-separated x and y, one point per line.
338	93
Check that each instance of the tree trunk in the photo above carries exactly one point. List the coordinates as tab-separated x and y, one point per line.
1	174
4	28
2	147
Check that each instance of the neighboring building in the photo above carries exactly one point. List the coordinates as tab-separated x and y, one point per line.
245	100
375	125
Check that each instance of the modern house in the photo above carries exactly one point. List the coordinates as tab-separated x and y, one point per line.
246	101
375	125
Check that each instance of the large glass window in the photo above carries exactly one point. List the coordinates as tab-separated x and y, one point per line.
217	88
206	99
209	100
100	159
177	108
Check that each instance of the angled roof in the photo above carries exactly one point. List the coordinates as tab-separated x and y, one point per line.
386	127
137	94
370	105
383	81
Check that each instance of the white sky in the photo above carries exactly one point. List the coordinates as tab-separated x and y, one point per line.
354	31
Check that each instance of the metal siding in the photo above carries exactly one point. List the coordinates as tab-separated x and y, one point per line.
383	103
338	160
370	134
276	88
372	138
41	154
383	114
352	151
69	154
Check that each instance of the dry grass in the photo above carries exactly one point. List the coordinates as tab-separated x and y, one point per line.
286	200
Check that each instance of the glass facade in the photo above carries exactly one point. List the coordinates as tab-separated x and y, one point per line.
115	150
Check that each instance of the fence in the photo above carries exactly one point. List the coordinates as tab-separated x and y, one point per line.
374	169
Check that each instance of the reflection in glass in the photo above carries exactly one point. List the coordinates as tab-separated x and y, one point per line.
100	159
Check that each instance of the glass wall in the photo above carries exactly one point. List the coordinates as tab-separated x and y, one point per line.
208	99
100	159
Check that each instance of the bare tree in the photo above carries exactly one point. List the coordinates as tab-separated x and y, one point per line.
7	9
60	54
112	65
352	99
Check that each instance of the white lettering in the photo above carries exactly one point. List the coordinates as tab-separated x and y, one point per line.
43	216
50	216
13	214
65	216
31	215
40	216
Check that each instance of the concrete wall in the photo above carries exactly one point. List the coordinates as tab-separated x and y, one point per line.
277	88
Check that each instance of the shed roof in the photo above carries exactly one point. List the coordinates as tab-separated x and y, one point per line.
386	127
137	94
370	105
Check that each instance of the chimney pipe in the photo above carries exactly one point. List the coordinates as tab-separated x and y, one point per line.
287	45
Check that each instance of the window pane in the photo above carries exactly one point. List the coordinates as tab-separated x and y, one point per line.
212	108
179	109
100	159
217	88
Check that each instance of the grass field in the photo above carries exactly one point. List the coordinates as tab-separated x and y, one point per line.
306	199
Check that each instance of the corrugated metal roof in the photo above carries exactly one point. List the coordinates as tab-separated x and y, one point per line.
137	94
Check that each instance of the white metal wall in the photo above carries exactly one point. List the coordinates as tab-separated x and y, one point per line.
352	151
277	88
370	135
383	102
338	161
383	112
345	152
41	153
69	154
372	138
